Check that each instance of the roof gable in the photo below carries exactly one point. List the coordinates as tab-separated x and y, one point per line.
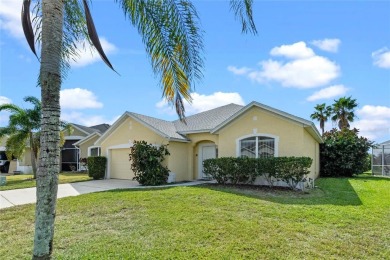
306	123
210	121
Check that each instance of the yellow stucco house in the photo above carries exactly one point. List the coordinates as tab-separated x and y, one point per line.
253	130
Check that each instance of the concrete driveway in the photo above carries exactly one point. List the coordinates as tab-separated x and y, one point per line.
10	198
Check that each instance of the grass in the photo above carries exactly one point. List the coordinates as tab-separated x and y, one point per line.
345	218
27	181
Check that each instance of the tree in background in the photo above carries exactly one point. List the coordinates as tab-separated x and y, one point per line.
343	153
21	130
173	40
322	114
343	111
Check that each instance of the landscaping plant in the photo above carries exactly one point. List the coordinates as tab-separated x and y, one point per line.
343	153
146	163
97	167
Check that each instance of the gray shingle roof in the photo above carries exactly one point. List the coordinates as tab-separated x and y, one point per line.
207	120
92	129
164	127
204	121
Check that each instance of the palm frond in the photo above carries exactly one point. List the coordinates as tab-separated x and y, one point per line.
27	26
10	108
243	12
93	36
16	143
33	100
174	42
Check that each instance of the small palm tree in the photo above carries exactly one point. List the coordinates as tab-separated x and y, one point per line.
21	129
322	114
343	111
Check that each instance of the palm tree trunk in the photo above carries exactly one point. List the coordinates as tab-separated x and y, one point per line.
50	80
33	157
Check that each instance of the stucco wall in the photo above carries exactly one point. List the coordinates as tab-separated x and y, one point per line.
84	146
25	159
311	149
75	132
257	121
178	160
129	131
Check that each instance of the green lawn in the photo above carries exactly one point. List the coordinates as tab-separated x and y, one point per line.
26	180
346	218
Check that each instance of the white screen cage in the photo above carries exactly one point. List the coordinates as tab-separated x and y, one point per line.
381	159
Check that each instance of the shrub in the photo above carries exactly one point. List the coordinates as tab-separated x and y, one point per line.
292	170
146	162
343	153
219	168
97	167
266	167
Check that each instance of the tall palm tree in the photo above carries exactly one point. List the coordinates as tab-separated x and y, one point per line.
343	111
173	40
322	114
23	123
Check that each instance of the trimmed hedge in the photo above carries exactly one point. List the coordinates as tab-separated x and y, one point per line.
97	167
291	170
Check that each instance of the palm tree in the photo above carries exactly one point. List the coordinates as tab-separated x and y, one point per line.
322	114
23	123
173	40
343	111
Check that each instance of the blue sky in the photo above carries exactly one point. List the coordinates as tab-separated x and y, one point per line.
306	53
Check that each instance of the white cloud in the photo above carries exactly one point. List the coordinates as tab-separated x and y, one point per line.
329	92
373	122
382	58
238	71
305	70
10	17
202	103
301	73
88	55
86	120
78	98
297	50
330	45
5	100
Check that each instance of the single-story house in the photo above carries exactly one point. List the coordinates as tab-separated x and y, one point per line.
78	144
253	130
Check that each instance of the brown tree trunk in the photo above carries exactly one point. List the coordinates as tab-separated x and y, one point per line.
33	157
50	80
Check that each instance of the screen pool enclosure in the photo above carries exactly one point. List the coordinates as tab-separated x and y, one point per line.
381	159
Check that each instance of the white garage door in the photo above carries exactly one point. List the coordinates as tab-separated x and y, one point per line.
120	164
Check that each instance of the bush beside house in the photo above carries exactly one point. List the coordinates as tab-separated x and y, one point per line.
97	167
291	170
343	153
146	163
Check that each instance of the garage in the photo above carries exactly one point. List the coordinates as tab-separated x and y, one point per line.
120	164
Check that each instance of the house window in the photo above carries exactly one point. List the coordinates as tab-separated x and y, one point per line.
257	147
94	151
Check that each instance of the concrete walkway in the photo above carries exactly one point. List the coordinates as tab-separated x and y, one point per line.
10	198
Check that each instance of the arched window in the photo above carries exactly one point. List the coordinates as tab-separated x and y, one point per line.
257	147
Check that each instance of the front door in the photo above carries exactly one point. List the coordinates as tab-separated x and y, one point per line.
206	151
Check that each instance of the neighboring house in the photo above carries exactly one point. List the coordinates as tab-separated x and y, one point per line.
254	130
77	145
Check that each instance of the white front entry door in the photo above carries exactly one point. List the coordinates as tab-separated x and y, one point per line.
206	151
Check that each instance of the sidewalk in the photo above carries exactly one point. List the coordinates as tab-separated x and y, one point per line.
10	198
